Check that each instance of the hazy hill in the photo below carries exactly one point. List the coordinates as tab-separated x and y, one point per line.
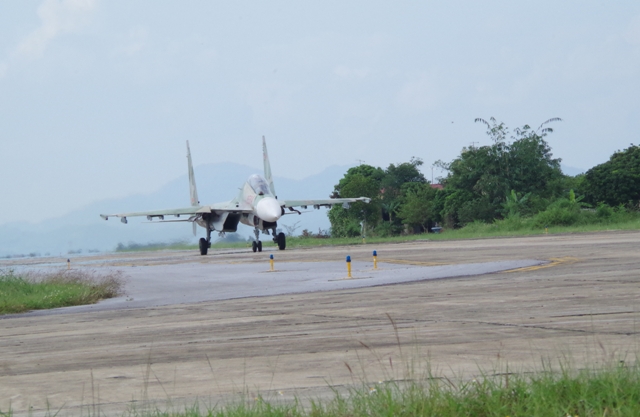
84	229
572	171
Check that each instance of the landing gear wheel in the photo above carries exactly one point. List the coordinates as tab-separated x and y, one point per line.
254	246
259	246
281	240
204	246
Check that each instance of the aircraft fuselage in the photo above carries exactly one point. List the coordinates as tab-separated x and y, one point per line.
266	210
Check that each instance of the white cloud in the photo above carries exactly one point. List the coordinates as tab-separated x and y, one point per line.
4	67
57	17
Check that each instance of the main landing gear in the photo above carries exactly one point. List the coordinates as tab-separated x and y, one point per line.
278	238
205	244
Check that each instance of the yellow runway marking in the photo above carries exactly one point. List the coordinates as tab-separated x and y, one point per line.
567	260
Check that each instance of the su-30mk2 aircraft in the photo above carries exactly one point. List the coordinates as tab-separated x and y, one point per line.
257	205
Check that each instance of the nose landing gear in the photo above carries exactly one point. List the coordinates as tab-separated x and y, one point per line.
278	238
256	245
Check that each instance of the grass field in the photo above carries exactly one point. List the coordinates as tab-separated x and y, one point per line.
478	230
502	228
21	292
613	391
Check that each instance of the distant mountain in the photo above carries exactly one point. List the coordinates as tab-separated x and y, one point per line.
566	170
84	230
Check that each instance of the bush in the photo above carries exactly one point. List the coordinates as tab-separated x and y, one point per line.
478	209
386	229
561	212
604	211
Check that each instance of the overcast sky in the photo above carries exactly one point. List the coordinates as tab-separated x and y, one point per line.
98	97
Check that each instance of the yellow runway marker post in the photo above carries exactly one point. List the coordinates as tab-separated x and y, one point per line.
349	266
271	261
375	259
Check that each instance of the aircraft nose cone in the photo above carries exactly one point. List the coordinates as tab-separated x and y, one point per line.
268	209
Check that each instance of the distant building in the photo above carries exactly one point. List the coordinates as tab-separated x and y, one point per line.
437	186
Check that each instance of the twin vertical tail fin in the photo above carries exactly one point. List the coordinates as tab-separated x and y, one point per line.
193	191
267	168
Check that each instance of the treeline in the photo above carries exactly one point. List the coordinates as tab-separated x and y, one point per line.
514	182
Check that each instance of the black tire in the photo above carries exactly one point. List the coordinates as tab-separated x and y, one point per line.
259	246
282	241
204	246
254	246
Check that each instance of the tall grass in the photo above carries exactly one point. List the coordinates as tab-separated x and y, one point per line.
556	219
21	292
613	391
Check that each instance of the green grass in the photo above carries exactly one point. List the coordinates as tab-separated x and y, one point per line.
21	292
613	391
477	230
508	228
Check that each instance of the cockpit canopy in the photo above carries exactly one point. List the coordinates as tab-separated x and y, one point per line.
259	184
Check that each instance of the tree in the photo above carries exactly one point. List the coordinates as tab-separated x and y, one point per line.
393	185
417	207
374	173
616	181
515	204
481	178
386	188
291	229
360	181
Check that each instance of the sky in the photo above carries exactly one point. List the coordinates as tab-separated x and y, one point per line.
98	97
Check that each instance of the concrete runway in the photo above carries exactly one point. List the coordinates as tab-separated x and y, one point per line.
188	283
183	335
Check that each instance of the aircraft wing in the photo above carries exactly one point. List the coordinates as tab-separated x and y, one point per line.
187	211
321	203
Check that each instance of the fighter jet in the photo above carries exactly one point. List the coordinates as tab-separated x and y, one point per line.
256	205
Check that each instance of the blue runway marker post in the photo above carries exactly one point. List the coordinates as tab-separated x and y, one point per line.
349	266
271	261
375	259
